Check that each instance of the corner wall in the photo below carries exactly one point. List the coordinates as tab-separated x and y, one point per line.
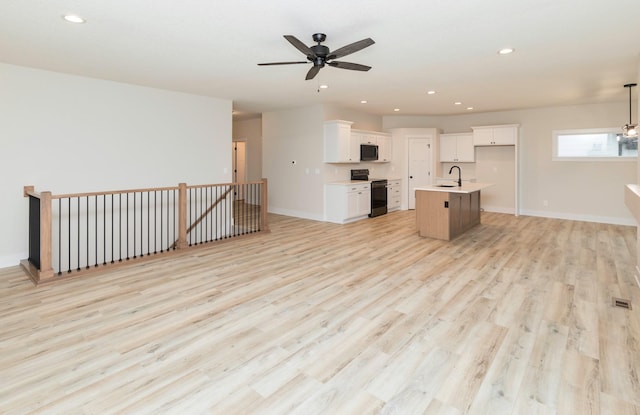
67	134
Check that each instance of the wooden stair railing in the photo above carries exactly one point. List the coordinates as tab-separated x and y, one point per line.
201	218
97	229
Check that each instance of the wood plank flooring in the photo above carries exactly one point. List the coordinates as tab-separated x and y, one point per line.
513	317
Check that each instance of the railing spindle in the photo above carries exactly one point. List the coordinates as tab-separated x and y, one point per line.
149	223
112	234
59	236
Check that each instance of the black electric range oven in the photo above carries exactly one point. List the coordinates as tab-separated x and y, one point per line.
378	192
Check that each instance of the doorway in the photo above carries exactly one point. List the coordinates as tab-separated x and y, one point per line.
419	162
239	165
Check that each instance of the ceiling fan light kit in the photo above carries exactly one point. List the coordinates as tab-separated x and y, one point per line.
630	130
320	55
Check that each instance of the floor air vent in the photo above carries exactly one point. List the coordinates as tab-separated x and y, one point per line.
622	303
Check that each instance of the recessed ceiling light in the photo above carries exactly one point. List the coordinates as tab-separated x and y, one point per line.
506	51
469	108
431	92
324	86
457	103
72	18
396	109
364	101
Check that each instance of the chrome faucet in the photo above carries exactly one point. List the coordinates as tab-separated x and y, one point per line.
459	174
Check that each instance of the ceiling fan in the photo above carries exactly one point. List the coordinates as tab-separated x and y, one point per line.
320	55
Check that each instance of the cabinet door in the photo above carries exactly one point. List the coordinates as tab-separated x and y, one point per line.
448	147
465	150
384	149
354	149
482	136
455	215
465	211
352	205
475	208
337	137
504	135
364	202
368	139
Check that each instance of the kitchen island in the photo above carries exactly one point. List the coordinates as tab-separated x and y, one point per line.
446	211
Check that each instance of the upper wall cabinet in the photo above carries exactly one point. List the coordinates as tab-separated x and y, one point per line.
382	140
457	148
340	146
385	148
495	135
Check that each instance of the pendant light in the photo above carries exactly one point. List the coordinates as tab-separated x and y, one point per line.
630	130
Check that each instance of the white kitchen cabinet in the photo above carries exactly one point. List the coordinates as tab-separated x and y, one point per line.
457	148
340	146
495	135
393	194
367	137
384	148
347	202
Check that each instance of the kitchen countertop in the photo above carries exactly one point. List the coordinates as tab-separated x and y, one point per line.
466	187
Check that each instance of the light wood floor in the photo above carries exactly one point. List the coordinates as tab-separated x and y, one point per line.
514	317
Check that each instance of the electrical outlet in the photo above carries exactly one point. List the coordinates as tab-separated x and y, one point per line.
545	203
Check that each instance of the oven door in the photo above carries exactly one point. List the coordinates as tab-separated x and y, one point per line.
378	198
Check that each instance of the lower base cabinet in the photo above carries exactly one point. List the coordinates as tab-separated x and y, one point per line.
393	195
346	203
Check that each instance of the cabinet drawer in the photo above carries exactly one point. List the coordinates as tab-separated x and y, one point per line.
358	187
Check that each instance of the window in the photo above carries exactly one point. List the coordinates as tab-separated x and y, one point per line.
602	144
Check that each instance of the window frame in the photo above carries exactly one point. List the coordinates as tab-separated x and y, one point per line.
610	130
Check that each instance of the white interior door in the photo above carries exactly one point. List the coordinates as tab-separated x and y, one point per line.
239	165
419	149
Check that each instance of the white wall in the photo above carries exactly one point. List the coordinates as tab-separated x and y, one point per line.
250	131
292	161
65	133
592	191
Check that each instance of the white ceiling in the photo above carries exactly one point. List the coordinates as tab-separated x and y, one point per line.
567	51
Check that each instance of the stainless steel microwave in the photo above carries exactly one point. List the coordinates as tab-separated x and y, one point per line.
368	152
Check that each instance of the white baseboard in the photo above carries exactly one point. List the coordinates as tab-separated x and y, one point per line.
295	213
12	260
584	218
498	209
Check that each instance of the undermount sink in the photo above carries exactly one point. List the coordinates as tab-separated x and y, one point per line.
445	185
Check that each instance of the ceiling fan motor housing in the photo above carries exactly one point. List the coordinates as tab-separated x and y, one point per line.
319	37
320	52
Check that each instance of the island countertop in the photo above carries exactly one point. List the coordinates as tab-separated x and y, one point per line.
466	187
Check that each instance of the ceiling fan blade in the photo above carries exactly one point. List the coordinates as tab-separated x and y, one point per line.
349	65
282	63
299	45
352	48
313	72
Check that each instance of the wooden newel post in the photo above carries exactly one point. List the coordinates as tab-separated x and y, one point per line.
46	268
264	205
182	216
